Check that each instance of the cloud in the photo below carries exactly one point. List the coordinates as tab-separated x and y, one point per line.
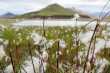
26	1
80	2
21	6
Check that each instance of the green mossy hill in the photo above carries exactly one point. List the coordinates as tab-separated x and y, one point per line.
53	10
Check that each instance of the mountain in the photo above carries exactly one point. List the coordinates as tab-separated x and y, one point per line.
7	15
104	14
82	14
53	10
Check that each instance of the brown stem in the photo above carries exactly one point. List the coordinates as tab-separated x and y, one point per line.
58	58
93	49
44	26
31	57
77	42
14	69
90	46
24	69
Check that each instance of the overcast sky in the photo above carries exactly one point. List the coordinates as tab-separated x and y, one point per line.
23	6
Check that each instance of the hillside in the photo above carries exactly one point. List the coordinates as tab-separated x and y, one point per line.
7	15
82	14
51	10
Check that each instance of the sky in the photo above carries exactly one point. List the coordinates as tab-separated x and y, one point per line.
24	6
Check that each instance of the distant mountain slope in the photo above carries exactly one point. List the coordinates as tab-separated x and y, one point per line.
51	10
55	10
81	13
7	15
